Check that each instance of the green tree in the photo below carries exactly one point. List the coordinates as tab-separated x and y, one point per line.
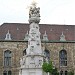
55	72
71	73
47	67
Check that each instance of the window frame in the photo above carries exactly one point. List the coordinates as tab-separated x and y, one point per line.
63	60
10	60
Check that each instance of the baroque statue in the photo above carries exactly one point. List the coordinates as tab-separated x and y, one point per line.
34	13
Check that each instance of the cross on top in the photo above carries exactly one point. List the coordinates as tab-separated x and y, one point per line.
34	3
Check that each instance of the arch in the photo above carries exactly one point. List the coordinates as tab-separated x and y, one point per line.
7	58
24	52
63	58
47	54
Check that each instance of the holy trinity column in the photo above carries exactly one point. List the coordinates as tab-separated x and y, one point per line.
31	63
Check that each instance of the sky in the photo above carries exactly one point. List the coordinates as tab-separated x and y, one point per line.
51	11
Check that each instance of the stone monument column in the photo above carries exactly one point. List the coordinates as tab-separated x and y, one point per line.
31	63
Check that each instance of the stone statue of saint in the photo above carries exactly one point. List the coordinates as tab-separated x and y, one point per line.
22	61
34	12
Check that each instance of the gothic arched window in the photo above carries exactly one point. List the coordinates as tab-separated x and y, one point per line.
47	55
24	52
63	58
7	58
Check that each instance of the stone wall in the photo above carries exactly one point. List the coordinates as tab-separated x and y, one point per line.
55	48
17	51
17	47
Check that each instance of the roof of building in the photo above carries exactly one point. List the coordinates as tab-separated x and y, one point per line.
18	31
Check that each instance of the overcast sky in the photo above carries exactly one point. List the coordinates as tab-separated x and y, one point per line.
52	11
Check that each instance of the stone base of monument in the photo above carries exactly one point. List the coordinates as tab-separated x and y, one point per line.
28	71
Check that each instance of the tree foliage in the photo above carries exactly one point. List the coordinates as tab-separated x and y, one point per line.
70	73
47	67
55	72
